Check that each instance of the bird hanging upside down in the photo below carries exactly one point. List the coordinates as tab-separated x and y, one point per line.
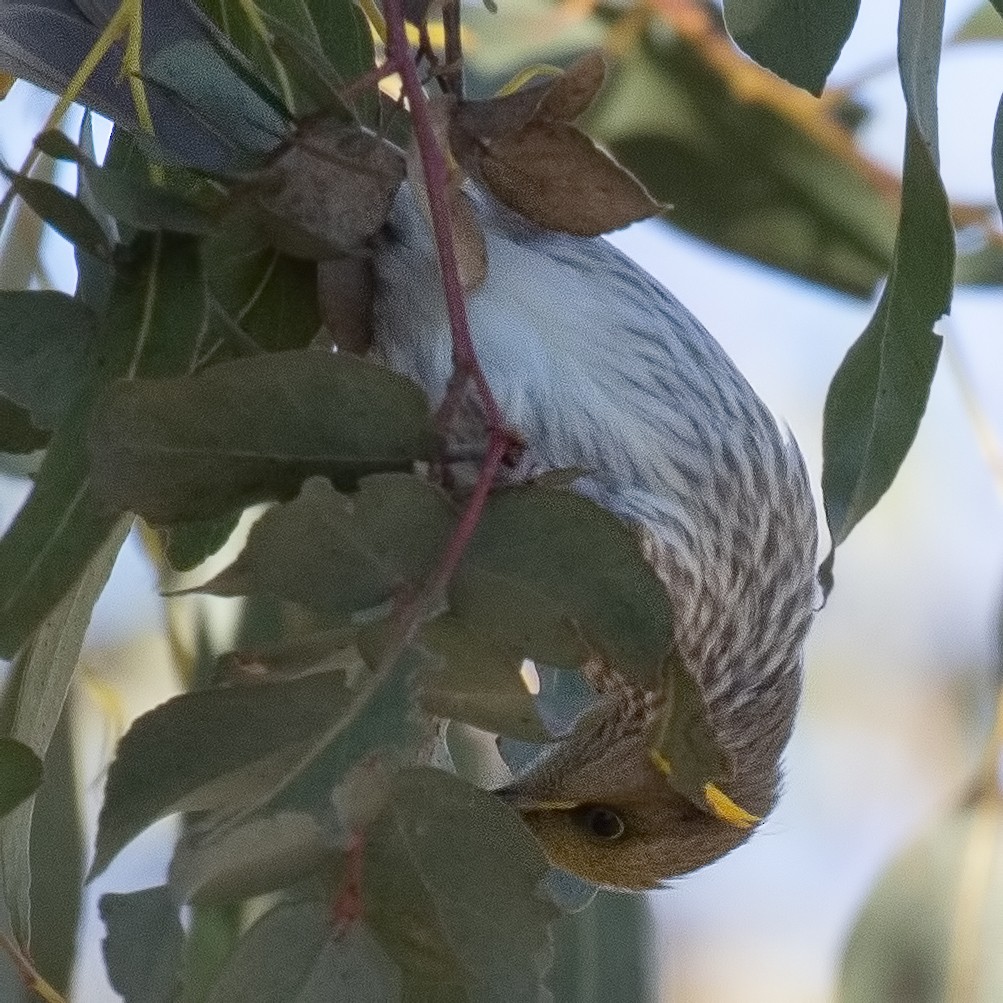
597	367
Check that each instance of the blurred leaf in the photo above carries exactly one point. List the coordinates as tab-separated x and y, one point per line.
879	393
45	340
998	155
561	578
746	162
20	774
32	704
17	433
261	855
931	925
291	954
241	744
154	325
56	857
606	952
984	24
64	213
341	554
798	40
451	893
983	267
143	947
253	429
188	544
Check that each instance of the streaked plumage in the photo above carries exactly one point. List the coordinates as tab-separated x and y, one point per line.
598	367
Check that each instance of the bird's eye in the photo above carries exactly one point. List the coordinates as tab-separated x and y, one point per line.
602	822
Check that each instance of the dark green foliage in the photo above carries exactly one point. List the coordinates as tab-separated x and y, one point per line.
800	40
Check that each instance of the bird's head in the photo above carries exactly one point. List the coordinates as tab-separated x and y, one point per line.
601	809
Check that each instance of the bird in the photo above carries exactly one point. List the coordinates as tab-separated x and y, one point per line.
597	368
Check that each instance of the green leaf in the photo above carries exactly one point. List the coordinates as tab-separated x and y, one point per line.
340	554
20	774
17	432
292	954
244	118
984	24
450	881
263	854
33	702
306	49
45	340
799	40
879	393
931	921
562	579
607	951
143	948
241	743
154	325
64	213
998	154
190	543
270	296
252	429
52	537
472	677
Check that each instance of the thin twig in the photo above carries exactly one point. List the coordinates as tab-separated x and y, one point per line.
437	184
465	362
28	973
452	72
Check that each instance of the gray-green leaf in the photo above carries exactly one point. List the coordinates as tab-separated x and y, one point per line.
799	40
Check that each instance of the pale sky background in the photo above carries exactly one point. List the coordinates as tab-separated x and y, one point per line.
901	662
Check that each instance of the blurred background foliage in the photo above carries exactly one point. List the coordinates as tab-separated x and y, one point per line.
760	169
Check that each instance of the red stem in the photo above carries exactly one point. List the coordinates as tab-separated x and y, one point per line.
465	362
437	183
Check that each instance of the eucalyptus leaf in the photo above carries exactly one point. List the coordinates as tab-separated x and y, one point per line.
144	944
155	324
253	429
998	155
33	702
20	774
292	955
261	855
241	743
45	341
340	554
270	296
564	580
472	677
188	544
66	215
799	40
18	434
879	393
452	893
